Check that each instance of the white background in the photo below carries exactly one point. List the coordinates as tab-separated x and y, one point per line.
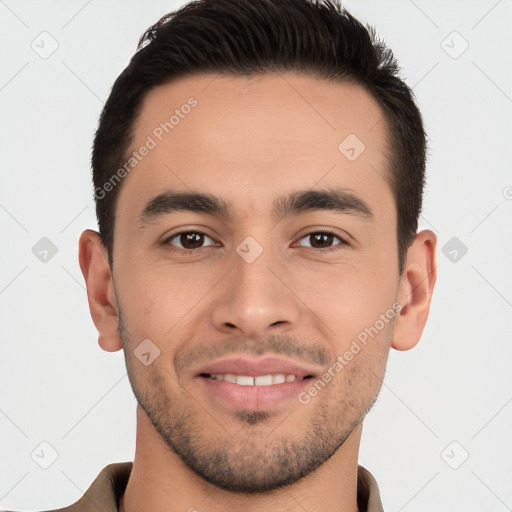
58	386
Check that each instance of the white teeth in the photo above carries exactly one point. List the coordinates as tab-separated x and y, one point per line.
279	379
263	380
244	380
260	380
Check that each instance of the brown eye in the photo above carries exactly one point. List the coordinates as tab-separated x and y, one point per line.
189	240
322	240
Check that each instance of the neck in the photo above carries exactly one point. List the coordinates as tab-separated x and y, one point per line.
160	482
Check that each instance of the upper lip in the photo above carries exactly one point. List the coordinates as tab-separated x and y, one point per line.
254	366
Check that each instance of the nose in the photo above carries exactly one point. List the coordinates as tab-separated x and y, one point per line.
255	300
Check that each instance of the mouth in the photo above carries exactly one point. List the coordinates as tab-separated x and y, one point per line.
258	380
260	383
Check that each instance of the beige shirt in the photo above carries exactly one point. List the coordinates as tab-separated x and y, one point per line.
106	490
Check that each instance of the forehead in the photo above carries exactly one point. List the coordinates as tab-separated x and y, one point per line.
248	138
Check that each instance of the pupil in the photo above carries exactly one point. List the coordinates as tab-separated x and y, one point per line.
191	240
325	239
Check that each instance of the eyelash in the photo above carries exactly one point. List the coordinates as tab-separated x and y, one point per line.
336	247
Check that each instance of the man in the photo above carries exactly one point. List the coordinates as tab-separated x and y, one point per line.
258	172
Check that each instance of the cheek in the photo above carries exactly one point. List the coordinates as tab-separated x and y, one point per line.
361	364
348	388
362	378
352	299
162	304
154	292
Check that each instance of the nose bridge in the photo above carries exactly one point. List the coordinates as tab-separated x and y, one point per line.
253	280
253	299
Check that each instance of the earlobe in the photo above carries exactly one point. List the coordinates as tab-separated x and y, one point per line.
415	291
100	290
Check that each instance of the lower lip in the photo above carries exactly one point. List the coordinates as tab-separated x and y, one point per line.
253	397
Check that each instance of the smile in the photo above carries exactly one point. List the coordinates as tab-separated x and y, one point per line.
259	380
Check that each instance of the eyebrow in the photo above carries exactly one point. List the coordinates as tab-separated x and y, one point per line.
302	201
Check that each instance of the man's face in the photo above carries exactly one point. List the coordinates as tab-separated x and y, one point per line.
253	290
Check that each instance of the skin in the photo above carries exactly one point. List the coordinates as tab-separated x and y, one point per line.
250	141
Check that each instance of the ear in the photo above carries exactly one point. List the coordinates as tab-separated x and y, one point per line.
415	291
93	259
